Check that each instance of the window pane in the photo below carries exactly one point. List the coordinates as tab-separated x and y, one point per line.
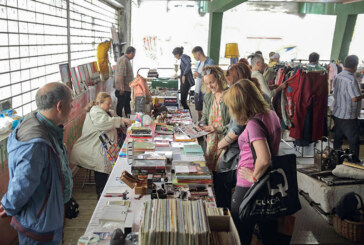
26	97
25	86
15	90
5	92
14	65
4	53
4	39
14	52
12	13
3	25
15	77
25	75
4	66
13	39
3	12
4	80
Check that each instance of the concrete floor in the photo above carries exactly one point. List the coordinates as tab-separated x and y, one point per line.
310	227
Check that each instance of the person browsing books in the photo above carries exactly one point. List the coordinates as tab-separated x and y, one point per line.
225	177
202	62
88	152
247	106
40	179
215	115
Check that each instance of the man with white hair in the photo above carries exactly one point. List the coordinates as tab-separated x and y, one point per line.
257	63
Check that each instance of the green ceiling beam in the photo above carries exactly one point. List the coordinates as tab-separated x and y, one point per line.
331	8
221	5
344	29
317	8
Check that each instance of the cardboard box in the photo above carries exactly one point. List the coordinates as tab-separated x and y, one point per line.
134	183
224	224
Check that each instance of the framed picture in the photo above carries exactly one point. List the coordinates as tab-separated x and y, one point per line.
75	81
87	75
83	83
64	70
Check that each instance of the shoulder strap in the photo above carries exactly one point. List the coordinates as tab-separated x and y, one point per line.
260	122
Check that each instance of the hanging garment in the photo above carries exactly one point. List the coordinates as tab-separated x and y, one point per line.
333	71
313	90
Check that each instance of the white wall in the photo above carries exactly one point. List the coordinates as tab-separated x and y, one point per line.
310	33
156	32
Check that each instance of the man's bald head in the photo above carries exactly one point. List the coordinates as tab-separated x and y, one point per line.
50	94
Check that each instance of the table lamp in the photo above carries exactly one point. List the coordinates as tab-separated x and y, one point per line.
232	52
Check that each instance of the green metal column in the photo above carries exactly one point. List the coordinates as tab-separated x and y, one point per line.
215	26
344	29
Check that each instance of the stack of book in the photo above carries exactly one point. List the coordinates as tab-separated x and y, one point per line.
142	168
181	137
197	192
137	146
191	173
141	132
163	140
171	221
195	150
142	146
163	129
182	144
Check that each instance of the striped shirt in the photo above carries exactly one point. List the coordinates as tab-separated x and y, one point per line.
346	87
125	70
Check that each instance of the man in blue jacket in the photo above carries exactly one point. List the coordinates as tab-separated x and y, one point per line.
203	61
40	178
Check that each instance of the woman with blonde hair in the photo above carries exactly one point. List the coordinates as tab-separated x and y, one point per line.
225	178
248	107
87	152
215	115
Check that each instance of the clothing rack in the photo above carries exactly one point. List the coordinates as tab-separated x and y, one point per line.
292	143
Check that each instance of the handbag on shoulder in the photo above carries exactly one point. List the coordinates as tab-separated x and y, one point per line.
112	150
276	192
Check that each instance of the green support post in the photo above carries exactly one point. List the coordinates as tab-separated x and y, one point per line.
344	29
215	26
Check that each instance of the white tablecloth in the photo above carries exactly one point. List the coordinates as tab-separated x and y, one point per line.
136	206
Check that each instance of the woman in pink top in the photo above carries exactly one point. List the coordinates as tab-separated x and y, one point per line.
246	102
